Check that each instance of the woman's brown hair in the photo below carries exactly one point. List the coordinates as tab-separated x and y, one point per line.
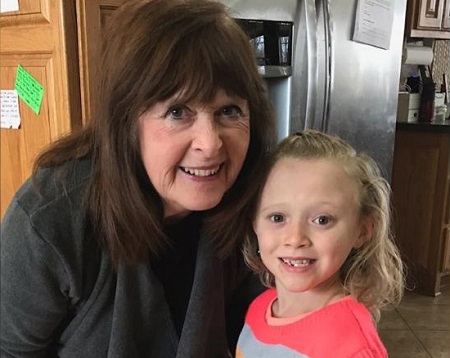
155	49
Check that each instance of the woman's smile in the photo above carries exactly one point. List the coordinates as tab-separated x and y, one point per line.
202	172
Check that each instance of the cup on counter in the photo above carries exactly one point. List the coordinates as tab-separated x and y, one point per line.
440	114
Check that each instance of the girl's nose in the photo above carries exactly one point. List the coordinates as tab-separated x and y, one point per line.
207	136
297	236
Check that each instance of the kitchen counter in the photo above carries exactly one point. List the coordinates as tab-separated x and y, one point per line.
442	127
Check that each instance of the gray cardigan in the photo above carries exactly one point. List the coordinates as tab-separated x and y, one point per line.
55	282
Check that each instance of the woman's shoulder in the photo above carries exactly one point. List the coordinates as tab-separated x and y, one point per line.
47	247
47	216
52	188
50	207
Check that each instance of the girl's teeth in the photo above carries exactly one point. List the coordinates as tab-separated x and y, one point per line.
297	263
201	172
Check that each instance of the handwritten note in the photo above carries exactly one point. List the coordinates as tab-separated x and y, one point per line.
29	90
373	23
10	109
9	5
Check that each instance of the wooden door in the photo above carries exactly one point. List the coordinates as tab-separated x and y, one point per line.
92	17
41	37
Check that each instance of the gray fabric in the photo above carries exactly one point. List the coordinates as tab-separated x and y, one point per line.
55	281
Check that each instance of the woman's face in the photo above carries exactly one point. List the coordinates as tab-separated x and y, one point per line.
193	152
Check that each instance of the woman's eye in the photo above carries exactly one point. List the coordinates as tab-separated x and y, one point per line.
178	112
276	218
322	220
231	111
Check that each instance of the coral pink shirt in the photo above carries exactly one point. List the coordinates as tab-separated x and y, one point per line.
341	329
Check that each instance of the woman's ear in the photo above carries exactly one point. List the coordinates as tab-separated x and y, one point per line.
366	231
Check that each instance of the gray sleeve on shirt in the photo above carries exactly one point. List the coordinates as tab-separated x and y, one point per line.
34	287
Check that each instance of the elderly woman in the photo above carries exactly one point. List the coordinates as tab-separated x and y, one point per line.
126	240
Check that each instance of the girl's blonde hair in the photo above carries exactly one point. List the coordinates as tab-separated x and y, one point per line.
373	273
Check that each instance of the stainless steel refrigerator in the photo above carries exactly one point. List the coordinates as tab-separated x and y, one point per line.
319	77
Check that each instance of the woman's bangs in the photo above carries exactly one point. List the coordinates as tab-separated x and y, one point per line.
208	69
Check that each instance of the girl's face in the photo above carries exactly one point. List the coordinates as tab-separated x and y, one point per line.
307	222
193	152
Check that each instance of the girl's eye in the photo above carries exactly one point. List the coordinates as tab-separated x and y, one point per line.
322	220
178	112
276	218
231	111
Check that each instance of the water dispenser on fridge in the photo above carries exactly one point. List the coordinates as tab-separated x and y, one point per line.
272	41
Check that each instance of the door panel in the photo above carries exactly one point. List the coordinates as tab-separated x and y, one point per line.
92	16
446	16
46	48
430	14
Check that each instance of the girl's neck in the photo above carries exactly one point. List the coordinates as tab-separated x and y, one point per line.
294	304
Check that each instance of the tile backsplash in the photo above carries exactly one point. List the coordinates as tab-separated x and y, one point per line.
441	61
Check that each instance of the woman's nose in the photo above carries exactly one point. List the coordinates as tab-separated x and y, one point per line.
207	137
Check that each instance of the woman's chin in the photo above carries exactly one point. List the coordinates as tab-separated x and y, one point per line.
204	205
195	205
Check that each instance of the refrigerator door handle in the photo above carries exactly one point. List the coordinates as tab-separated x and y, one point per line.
318	45
327	64
311	57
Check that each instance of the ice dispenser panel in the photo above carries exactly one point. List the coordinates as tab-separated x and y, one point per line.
272	41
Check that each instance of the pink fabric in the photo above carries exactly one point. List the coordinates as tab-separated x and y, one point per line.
341	329
279	321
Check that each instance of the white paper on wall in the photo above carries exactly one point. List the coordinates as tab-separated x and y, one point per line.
9	5
9	102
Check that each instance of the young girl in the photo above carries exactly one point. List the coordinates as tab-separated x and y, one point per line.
321	242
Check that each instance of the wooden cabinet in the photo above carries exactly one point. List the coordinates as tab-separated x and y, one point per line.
428	18
445	265
446	17
59	43
420	185
41	37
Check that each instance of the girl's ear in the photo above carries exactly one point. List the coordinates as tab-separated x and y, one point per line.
366	231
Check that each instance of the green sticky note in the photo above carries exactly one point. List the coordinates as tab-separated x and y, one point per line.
28	89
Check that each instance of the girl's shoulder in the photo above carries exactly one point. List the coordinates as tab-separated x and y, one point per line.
261	302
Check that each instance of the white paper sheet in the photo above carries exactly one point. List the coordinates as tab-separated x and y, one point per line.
9	5
373	23
9	101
